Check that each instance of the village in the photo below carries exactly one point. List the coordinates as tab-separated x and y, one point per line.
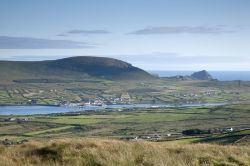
99	101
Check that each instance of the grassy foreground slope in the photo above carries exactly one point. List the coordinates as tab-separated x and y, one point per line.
112	152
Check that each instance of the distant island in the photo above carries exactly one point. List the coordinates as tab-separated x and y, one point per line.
200	75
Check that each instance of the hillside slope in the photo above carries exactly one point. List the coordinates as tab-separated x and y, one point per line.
99	152
71	68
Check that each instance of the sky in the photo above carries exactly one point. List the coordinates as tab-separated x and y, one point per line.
151	34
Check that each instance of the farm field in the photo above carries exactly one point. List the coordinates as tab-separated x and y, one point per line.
157	123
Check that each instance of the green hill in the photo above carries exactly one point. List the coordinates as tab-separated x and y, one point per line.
81	67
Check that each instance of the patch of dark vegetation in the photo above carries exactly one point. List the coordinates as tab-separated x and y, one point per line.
235	161
54	152
224	140
195	132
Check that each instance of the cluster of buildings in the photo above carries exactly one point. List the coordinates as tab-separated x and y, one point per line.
13	119
154	137
99	101
123	99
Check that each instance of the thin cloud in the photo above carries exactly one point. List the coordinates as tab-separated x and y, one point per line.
181	30
87	32
61	34
7	42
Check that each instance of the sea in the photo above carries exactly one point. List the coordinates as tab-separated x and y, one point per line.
220	75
